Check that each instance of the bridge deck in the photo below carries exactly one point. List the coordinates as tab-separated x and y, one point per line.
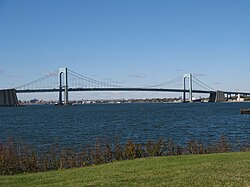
124	89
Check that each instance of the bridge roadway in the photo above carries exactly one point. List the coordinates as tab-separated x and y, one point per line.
126	89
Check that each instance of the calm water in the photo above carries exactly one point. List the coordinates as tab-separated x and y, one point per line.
81	125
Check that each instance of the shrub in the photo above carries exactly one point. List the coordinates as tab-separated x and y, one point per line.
20	158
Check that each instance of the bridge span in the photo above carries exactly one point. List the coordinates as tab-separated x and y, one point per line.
66	80
110	89
128	89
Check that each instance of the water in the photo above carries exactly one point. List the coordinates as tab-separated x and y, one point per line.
77	126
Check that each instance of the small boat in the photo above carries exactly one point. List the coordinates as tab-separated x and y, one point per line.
245	110
196	100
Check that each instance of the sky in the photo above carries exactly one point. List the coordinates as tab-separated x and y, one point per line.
126	42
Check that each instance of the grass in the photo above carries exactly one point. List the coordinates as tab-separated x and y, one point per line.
226	169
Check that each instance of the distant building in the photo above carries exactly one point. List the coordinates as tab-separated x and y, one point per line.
34	101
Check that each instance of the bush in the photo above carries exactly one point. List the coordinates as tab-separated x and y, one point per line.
20	158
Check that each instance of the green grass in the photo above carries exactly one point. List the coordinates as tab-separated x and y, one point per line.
228	169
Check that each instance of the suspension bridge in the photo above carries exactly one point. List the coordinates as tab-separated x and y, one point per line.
65	80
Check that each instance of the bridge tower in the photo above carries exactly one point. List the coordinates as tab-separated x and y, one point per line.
63	86
189	77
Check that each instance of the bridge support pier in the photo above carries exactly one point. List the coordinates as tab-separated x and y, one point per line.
184	90
8	97
217	96
63	86
189	76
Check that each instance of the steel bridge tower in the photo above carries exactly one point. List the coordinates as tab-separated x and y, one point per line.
63	86
189	77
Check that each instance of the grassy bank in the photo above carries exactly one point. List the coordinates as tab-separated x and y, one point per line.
226	169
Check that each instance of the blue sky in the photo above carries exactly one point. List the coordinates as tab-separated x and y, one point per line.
130	42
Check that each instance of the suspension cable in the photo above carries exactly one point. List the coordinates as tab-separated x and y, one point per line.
207	86
166	83
91	80
37	80
200	85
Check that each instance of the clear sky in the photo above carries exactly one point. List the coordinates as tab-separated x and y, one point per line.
130	42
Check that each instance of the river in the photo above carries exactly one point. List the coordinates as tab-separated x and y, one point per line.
80	125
